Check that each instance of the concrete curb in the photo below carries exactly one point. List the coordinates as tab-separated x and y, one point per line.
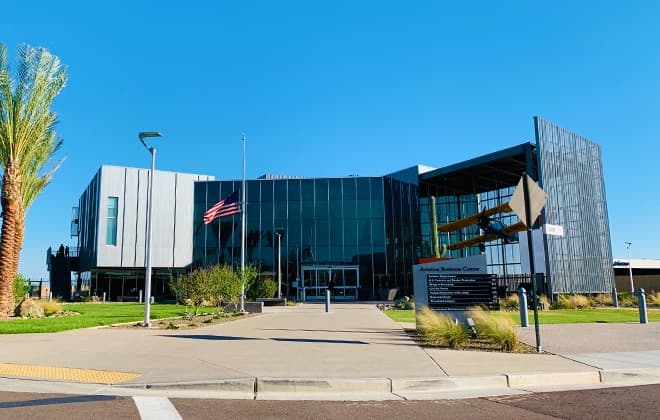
630	376
324	385
553	379
356	389
240	385
449	383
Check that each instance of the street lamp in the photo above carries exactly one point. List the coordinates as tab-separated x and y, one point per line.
147	277
279	263
632	286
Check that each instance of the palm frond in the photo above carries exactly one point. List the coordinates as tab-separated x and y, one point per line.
27	124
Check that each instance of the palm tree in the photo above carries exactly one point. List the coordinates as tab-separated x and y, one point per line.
27	142
32	185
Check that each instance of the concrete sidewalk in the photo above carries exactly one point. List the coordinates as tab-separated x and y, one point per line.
297	352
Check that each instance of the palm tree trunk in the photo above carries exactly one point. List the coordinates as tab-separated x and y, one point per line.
19	235
11	204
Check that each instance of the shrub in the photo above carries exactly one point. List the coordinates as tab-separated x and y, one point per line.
193	289
207	286
248	277
510	303
51	308
500	331
266	288
21	287
225	284
572	302
626	299
602	299
441	330
404	303
653	298
544	303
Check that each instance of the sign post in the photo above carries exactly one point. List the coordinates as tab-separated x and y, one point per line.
539	199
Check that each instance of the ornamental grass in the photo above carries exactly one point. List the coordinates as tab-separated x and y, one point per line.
441	330
500	331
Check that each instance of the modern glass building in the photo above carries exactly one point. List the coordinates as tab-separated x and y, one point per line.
363	233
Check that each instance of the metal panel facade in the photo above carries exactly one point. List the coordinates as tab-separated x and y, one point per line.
183	217
87	222
171	225
571	173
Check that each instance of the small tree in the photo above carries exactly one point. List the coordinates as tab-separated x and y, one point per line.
21	287
226	284
262	289
248	276
194	288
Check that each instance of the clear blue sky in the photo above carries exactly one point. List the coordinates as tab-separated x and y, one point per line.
330	88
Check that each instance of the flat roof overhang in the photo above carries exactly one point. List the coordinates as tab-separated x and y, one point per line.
485	173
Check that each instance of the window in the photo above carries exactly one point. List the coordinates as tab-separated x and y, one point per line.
111	225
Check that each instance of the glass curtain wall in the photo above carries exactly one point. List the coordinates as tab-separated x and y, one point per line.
371	222
503	259
448	209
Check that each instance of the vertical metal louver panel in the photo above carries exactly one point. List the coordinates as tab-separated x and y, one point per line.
571	173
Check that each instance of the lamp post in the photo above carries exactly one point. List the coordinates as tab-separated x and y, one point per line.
147	276
632	286
279	264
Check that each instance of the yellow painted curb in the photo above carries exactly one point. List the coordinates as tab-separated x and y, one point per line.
67	374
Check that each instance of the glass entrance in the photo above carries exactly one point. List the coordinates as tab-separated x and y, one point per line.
345	278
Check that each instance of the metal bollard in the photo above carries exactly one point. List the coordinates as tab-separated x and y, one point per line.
50	296
152	300
641	302
327	300
140	297
522	306
615	298
103	297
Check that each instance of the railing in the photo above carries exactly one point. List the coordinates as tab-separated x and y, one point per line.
509	284
66	251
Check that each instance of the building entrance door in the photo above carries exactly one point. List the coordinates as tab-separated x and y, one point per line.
315	279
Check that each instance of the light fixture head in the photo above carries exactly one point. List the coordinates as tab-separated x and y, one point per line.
144	134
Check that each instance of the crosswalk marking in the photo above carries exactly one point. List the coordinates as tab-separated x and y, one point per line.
156	408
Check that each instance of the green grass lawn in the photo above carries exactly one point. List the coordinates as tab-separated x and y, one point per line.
557	316
91	315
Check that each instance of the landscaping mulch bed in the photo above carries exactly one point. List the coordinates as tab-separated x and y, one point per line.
473	344
186	323
57	315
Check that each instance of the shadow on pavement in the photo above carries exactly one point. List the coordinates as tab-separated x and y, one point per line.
211	337
318	340
293	340
379	331
57	401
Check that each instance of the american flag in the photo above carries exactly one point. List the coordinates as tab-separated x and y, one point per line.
226	207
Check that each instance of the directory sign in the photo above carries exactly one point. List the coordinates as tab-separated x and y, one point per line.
459	292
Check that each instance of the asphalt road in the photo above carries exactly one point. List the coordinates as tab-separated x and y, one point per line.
641	402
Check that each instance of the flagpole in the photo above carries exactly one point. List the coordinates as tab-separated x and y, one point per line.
243	138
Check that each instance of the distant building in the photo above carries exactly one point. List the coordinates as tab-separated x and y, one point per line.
646	274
